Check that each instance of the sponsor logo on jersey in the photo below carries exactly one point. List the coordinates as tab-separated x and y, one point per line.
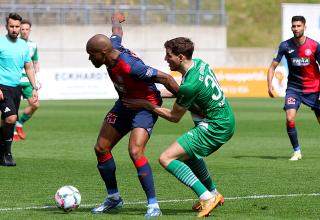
290	51
308	52
300	61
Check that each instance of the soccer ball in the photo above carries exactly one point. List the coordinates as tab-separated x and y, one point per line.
67	198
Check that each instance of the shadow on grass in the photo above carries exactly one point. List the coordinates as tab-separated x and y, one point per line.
262	157
125	211
272	157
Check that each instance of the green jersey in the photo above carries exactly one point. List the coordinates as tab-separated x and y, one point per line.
200	86
33	52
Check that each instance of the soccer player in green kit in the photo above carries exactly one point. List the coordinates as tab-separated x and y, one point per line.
26	87
214	127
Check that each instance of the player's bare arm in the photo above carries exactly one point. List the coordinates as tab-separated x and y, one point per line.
194	108
271	71
36	66
31	76
173	115
172	86
116	19
168	81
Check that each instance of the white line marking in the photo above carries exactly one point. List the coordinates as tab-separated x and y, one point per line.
169	201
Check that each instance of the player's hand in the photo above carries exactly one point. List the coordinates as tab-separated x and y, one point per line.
136	103
1	95
270	92
34	95
118	16
38	83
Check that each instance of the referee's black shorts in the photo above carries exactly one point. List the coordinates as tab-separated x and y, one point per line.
10	105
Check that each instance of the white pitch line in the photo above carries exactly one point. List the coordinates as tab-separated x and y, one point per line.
169	201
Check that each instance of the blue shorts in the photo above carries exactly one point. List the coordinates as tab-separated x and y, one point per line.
124	119
294	99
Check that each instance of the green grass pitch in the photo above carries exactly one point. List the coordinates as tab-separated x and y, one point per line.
59	151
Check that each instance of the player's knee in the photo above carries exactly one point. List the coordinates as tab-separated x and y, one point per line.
102	154
135	152
100	150
291	119
35	106
11	119
164	160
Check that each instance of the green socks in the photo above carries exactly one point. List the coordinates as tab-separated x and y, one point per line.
24	118
185	175
200	169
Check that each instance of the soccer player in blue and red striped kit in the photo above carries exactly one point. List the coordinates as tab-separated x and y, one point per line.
131	79
303	57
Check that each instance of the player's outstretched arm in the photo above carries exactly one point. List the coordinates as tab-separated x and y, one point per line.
173	115
168	81
271	71
116	19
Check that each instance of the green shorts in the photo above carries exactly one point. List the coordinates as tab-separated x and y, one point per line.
26	90
206	138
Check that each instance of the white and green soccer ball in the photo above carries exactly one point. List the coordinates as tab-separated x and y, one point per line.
68	198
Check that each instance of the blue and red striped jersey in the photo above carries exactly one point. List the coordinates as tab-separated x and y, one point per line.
131	77
303	60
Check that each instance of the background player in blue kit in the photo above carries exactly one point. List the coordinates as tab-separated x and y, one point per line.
131	79
303	57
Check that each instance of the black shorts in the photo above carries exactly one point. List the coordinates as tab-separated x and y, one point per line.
10	105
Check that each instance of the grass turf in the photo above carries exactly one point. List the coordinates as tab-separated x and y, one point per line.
59	151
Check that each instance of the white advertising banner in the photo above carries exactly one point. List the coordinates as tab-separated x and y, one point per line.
310	11
73	83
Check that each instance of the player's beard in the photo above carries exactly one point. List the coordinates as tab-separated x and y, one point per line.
13	35
173	67
298	34
96	64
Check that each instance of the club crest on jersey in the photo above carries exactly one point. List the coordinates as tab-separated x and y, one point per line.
300	61
308	52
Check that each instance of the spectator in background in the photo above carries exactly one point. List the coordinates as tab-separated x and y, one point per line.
26	87
303	57
14	56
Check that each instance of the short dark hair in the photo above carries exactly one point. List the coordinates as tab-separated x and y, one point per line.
180	45
13	16
25	21
298	18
